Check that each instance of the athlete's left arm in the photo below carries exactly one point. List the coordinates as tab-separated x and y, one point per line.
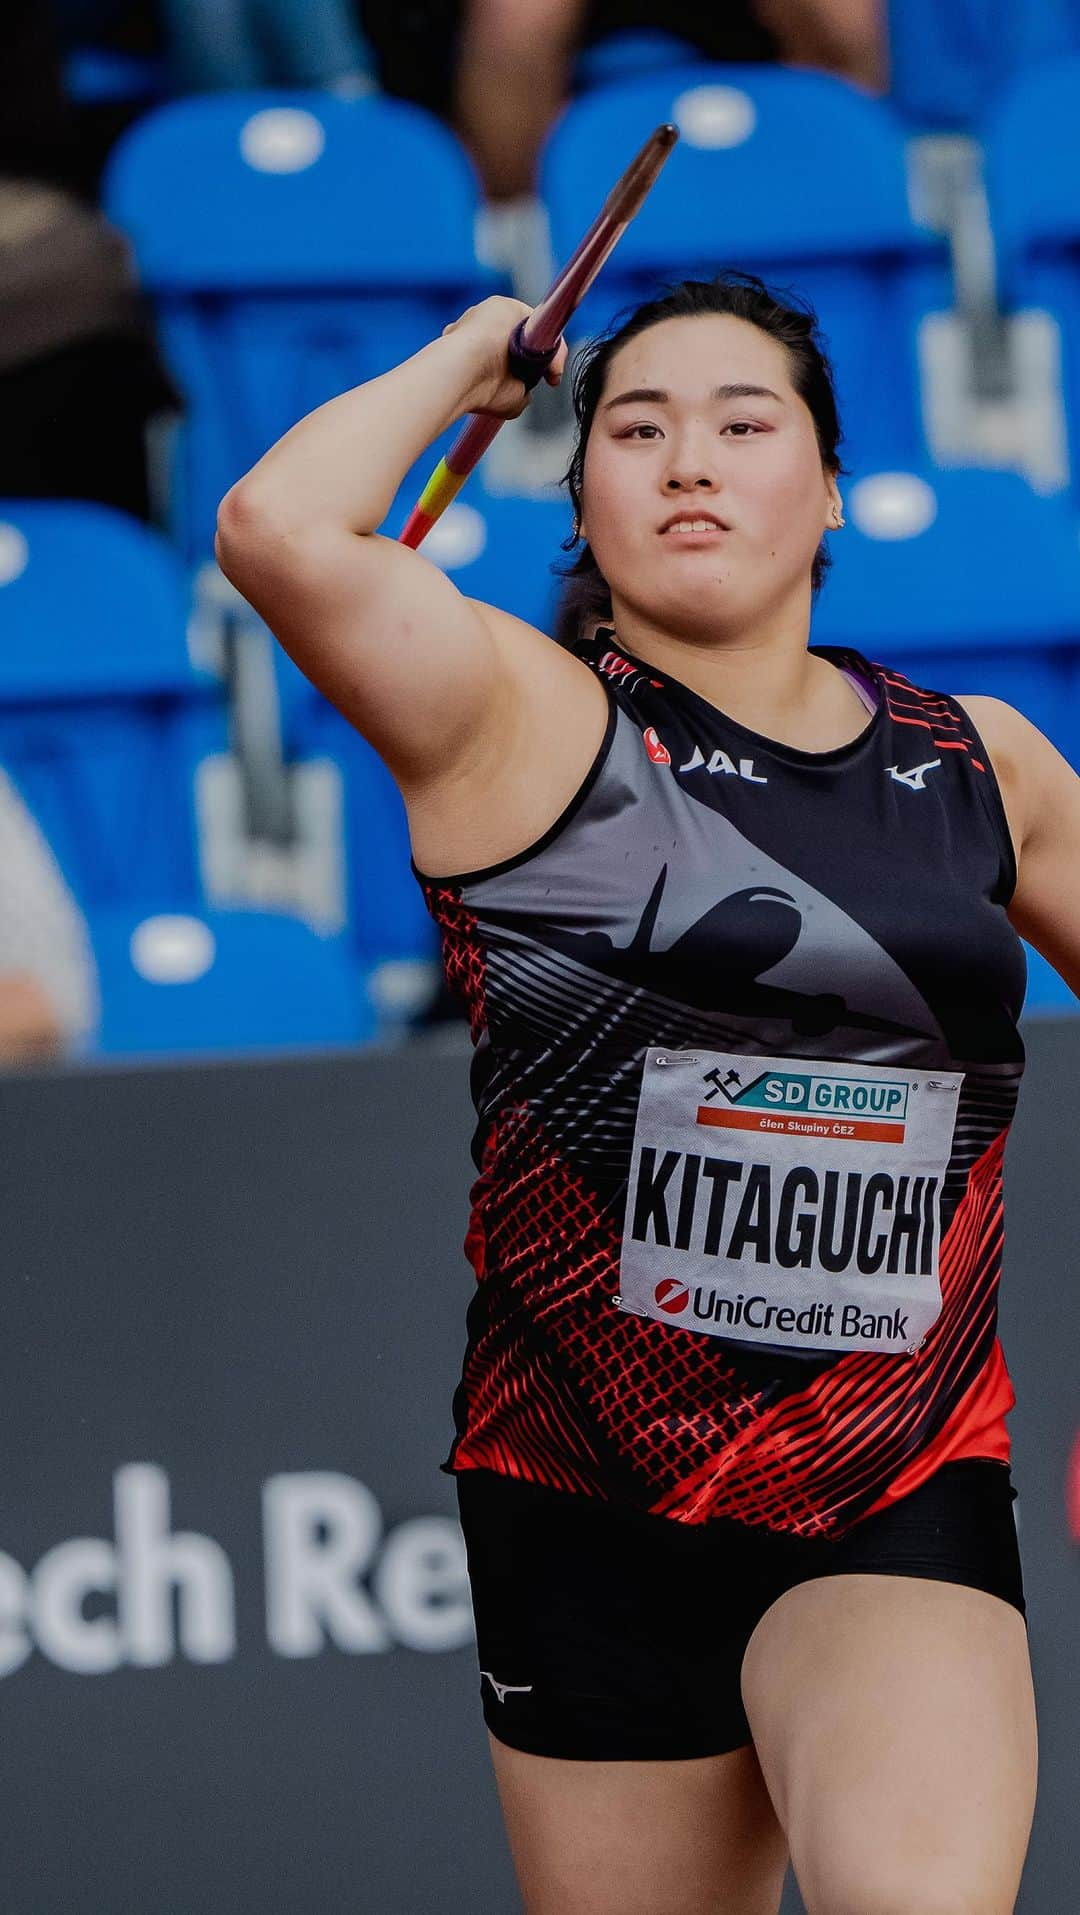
1041	792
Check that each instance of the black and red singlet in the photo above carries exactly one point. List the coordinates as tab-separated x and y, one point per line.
747	1051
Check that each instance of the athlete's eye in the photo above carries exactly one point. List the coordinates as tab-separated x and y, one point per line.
742	427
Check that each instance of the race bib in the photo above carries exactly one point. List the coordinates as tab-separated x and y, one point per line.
788	1201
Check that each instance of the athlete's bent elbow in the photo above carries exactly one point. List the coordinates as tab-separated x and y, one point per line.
254	535
259	530
246	517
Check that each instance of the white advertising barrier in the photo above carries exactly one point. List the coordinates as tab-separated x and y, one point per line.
236	1647
332	1577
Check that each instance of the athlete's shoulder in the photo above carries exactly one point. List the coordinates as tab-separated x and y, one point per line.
928	705
1043	784
1015	744
1001	724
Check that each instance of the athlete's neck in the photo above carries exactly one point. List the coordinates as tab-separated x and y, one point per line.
768	680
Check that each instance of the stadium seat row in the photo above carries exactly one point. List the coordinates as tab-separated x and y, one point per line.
297	245
950	64
947	63
108	728
269	231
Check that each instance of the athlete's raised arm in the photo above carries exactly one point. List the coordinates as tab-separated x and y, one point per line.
431	678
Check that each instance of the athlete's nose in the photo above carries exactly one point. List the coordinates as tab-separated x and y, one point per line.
675	484
689	472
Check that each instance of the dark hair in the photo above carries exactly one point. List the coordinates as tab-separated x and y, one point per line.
744	296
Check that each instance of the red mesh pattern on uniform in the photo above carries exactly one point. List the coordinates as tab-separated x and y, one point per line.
556	1359
665	1404
519	1421
462	951
858	1423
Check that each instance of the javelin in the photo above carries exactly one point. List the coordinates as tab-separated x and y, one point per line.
535	340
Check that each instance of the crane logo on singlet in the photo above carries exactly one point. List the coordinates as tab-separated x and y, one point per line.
614	665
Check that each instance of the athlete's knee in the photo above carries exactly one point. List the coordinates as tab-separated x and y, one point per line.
907	1891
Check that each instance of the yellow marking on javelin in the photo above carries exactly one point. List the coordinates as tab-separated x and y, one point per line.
442	486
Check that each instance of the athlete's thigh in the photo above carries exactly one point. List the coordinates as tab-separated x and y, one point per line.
693	1837
894	1720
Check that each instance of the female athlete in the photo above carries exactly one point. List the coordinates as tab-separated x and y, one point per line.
736	919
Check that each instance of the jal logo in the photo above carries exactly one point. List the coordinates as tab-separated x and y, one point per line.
657	751
671	1295
719	761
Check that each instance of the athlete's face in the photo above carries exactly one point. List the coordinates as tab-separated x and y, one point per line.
668	440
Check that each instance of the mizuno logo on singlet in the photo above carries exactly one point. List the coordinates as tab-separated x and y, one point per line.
720	761
913	777
503	1689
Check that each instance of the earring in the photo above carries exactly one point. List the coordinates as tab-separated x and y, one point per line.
838	518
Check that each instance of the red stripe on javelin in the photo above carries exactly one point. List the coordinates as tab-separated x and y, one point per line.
417	526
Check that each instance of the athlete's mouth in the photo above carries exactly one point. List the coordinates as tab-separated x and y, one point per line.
685	525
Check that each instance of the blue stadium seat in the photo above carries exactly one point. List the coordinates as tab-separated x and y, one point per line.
794	175
223	981
103	718
949	61
495	548
1047	993
966	581
1033	185
294	245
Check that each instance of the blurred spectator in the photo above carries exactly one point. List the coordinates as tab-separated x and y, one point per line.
49	1005
250	43
78	372
501	69
849	37
514	63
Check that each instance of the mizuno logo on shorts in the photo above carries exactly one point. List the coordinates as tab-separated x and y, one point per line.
503	1689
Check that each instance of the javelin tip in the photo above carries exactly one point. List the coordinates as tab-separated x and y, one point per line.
627	194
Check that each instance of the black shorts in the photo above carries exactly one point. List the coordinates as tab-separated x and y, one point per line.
583	1609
